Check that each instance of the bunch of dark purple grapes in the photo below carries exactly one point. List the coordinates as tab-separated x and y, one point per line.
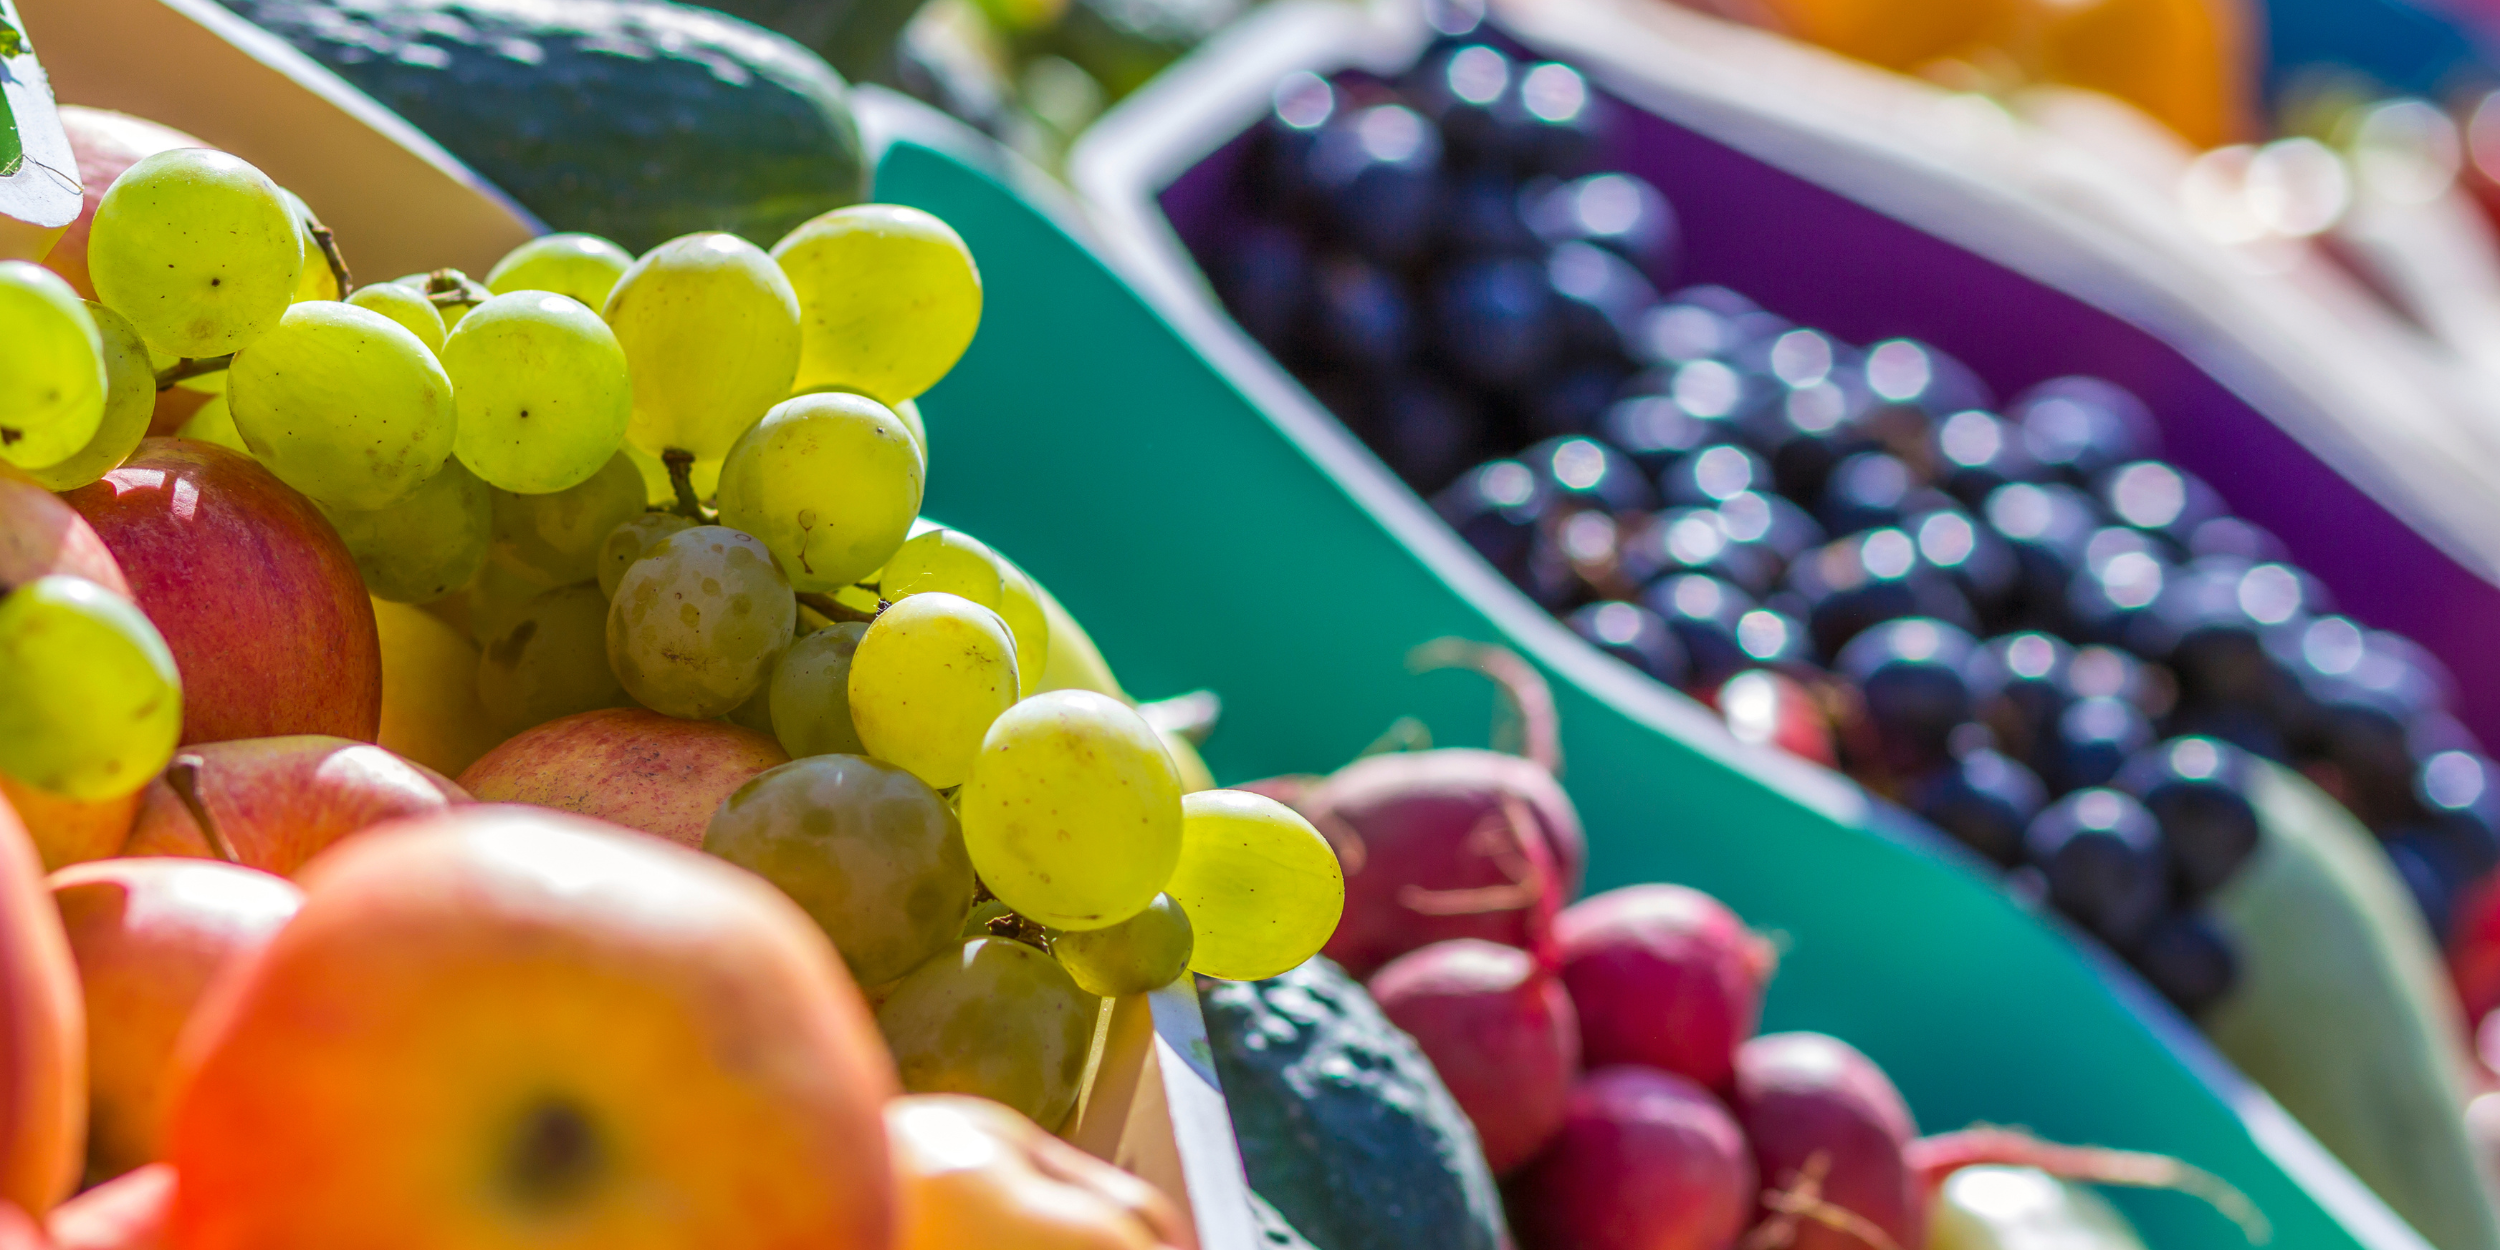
2025	626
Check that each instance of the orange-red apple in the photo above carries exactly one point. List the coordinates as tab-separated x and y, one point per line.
39	534
43	1035
252	589
273	803
514	1028
129	1212
70	831
973	1172
639	769
18	1231
147	935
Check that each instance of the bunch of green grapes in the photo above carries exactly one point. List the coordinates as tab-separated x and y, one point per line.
699	621
870	851
53	380
928	678
94	705
830	482
1071	809
540	385
343	404
425	546
995	1018
710	331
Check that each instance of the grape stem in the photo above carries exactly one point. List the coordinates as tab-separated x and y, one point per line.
680	464
833	609
192	367
450	288
329	242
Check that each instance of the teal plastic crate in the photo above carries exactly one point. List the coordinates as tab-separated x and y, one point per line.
1212	528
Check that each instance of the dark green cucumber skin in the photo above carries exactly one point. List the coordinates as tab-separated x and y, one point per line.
638	120
1345	1129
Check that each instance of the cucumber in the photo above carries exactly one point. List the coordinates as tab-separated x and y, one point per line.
639	120
2342	1012
1344	1126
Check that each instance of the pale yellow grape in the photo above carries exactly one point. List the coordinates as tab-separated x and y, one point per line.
549	659
870	851
1141	954
314	279
711	333
888	296
198	249
541	388
810	691
946	560
1262	888
499	594
699	621
583	266
929	676
213	423
830	482
995	1019
343	404
1072	811
406	307
908	412
425	546
556	538
93	704
1075	663
1020	605
627	541
129	404
52	370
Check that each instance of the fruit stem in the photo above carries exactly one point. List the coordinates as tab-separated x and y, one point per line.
183	777
1803	1201
329	243
192	367
1531	700
680	464
833	609
450	288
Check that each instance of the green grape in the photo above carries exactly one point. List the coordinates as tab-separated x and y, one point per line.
549	659
866	848
888	299
829	482
629	539
198	249
129	405
1072	811
811	693
313	280
583	266
711	331
425	546
929	676
213	423
425	284
1020	605
406	307
53	378
908	412
757	712
343	404
944	560
1141	954
996	1019
541	387
699	621
499	595
94	705
1262	888
556	538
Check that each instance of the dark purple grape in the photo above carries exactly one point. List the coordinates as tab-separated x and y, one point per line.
1851	584
1586	473
2111	597
1771	520
1984	800
2434	882
1978	452
1263	275
1696	540
2197	788
1280	171
1617	211
1461	87
1599	299
1774	639
2104	862
2159	499
1550	122
2094	738
2231	536
1497	507
1361	316
1706	614
1636	636
1911	675
1713	475
1656	431
1493	320
1980	562
1575	400
2188	959
2079	427
1427	431
2048	528
2020	684
1480	215
1865	491
1377	172
1681	330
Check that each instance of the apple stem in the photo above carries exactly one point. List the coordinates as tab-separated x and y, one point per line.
192	367
183	776
833	609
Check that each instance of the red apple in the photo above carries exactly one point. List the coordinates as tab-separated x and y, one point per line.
148	934
39	534
133	1211
43	1035
639	769
17	1232
252	589
105	144
276	802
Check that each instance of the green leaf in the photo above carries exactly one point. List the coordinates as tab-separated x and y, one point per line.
12	41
